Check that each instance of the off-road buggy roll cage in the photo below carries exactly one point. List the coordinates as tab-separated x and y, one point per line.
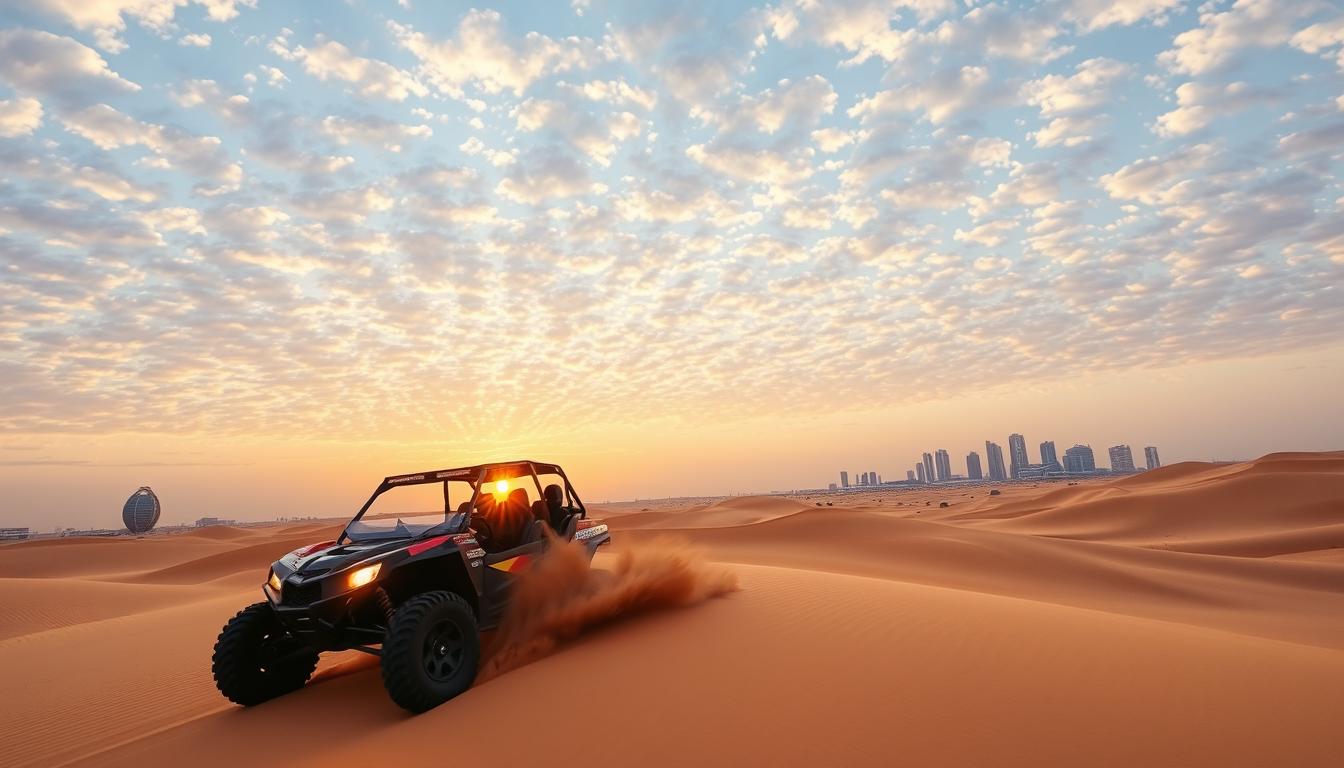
477	477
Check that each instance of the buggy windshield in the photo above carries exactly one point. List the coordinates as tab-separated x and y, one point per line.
402	526
412	511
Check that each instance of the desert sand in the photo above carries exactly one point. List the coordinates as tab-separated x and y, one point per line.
1188	616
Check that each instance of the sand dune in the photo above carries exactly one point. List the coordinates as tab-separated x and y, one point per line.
1189	616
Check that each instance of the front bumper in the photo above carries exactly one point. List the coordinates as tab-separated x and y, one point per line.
326	623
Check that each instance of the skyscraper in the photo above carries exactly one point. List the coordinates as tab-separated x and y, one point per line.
1122	460
910	475
1049	459
1150	457
1079	459
994	455
943	465
874	479
919	468
1017	454
844	479
973	466
928	467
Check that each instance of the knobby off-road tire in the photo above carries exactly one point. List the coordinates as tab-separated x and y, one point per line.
256	660
431	651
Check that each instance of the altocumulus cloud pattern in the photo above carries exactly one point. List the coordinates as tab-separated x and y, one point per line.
215	214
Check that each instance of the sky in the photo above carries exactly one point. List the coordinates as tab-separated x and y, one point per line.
258	259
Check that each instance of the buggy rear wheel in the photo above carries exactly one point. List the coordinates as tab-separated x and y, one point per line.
431	651
256	660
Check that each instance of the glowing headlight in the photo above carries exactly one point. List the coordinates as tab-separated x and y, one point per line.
274	581
364	575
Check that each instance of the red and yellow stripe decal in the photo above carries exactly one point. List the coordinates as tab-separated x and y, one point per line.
513	564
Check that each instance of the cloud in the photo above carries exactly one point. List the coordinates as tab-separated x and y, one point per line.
681	188
756	165
1152	180
861	27
791	103
203	156
109	186
619	92
1092	15
329	60
1089	87
372	129
106	18
597	137
19	117
1322	38
1200	104
545	174
830	140
942	96
56	68
1220	37
482	55
195	40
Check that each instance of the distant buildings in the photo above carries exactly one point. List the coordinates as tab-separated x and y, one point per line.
1150	457
207	521
994	455
936	467
1017	454
1079	458
1122	460
1050	459
831	487
973	466
13	534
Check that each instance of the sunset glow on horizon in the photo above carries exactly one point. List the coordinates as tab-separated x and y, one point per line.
259	260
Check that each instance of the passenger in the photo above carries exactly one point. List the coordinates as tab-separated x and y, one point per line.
554	497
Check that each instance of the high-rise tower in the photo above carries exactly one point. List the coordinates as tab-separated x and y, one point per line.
973	466
1050	459
1079	458
942	463
1122	460
1017	454
994	456
1150	457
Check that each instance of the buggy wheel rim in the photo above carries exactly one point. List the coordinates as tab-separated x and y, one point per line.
444	650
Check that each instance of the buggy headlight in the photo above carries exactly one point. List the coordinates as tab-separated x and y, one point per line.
274	582
362	576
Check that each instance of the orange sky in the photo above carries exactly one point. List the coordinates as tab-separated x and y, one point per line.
1221	410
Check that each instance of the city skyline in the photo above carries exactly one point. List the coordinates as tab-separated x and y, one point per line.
1079	458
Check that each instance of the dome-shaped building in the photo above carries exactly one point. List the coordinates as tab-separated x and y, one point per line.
141	512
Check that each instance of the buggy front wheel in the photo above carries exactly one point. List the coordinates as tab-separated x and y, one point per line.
431	651
257	660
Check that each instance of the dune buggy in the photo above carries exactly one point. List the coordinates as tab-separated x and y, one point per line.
415	586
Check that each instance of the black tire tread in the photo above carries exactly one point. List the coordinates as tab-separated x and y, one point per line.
401	660
239	680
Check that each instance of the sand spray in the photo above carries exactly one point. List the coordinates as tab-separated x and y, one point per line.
561	596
